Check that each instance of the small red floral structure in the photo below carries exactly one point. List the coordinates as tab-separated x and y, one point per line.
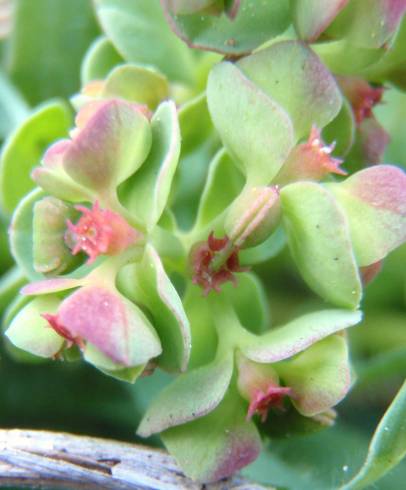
54	323
99	231
262	401
214	262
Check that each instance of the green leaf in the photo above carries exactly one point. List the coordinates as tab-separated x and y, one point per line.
374	200
100	58
387	447
21	233
50	252
319	240
256	23
344	58
139	32
292	75
156	291
223	184
136	84
252	126
30	331
189	397
95	357
268	249
149	189
368	24
249	300
218	445
391	65
312	17
24	148
320	376
204	335
46	46
296	336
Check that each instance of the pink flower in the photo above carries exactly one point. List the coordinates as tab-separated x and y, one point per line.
99	232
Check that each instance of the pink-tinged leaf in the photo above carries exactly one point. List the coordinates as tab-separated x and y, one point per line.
312	17
30	331
51	176
189	397
111	146
297	335
111	323
319	377
218	445
375	202
50	286
368	24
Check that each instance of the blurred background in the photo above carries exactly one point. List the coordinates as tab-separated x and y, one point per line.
42	44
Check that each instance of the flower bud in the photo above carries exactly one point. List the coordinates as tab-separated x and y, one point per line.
253	216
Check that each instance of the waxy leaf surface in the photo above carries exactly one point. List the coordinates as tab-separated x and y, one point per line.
190	396
319	240
292	75
110	147
150	188
253	127
136	84
320	376
299	334
140	34
368	24
388	445
31	332
218	445
312	17
24	148
111	323
255	23
160	296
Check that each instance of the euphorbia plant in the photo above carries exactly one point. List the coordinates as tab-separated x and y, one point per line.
137	260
